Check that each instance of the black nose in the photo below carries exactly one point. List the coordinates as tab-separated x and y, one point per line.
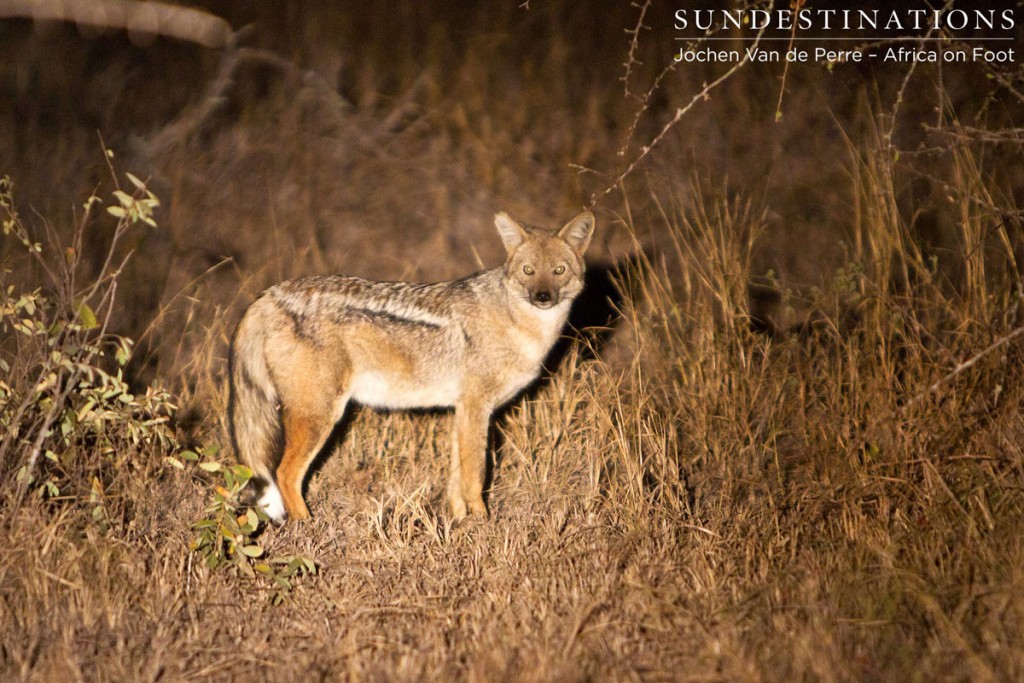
542	296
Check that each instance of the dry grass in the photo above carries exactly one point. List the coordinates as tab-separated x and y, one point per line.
809	473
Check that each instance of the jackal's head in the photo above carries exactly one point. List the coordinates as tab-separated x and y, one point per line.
545	269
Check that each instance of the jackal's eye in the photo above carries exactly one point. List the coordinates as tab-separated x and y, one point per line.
528	269
559	270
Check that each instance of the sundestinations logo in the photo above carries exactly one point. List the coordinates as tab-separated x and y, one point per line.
831	34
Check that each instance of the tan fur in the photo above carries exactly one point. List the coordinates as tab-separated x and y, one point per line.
308	346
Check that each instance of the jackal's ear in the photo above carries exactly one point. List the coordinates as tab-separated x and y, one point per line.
578	231
512	234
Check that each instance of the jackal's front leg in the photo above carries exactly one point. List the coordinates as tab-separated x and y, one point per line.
469	461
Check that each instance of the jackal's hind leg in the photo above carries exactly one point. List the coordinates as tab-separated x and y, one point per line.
305	434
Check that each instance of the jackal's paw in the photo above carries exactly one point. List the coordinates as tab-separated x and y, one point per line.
477	508
462	507
457	507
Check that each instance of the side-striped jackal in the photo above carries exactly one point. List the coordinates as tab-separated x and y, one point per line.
308	346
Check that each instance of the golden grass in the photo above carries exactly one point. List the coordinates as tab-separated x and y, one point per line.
835	497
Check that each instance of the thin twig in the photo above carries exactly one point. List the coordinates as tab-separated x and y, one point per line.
894	115
967	364
798	5
634	43
680	113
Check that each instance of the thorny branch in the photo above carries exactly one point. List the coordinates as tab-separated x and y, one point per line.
679	114
634	43
893	116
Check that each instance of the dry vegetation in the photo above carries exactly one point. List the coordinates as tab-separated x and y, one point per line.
793	452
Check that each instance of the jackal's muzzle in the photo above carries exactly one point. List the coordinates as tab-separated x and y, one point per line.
544	298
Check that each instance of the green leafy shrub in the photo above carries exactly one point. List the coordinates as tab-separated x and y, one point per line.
67	414
226	537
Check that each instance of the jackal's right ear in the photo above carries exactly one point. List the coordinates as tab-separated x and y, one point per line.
512	234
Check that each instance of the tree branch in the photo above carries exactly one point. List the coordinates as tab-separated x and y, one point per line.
155	18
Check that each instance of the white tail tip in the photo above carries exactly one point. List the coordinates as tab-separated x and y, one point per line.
272	503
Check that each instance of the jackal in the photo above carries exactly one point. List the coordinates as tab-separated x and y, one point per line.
308	346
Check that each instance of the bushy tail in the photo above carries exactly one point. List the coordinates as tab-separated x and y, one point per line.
252	409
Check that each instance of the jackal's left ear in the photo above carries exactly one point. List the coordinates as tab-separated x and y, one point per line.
512	234
578	231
